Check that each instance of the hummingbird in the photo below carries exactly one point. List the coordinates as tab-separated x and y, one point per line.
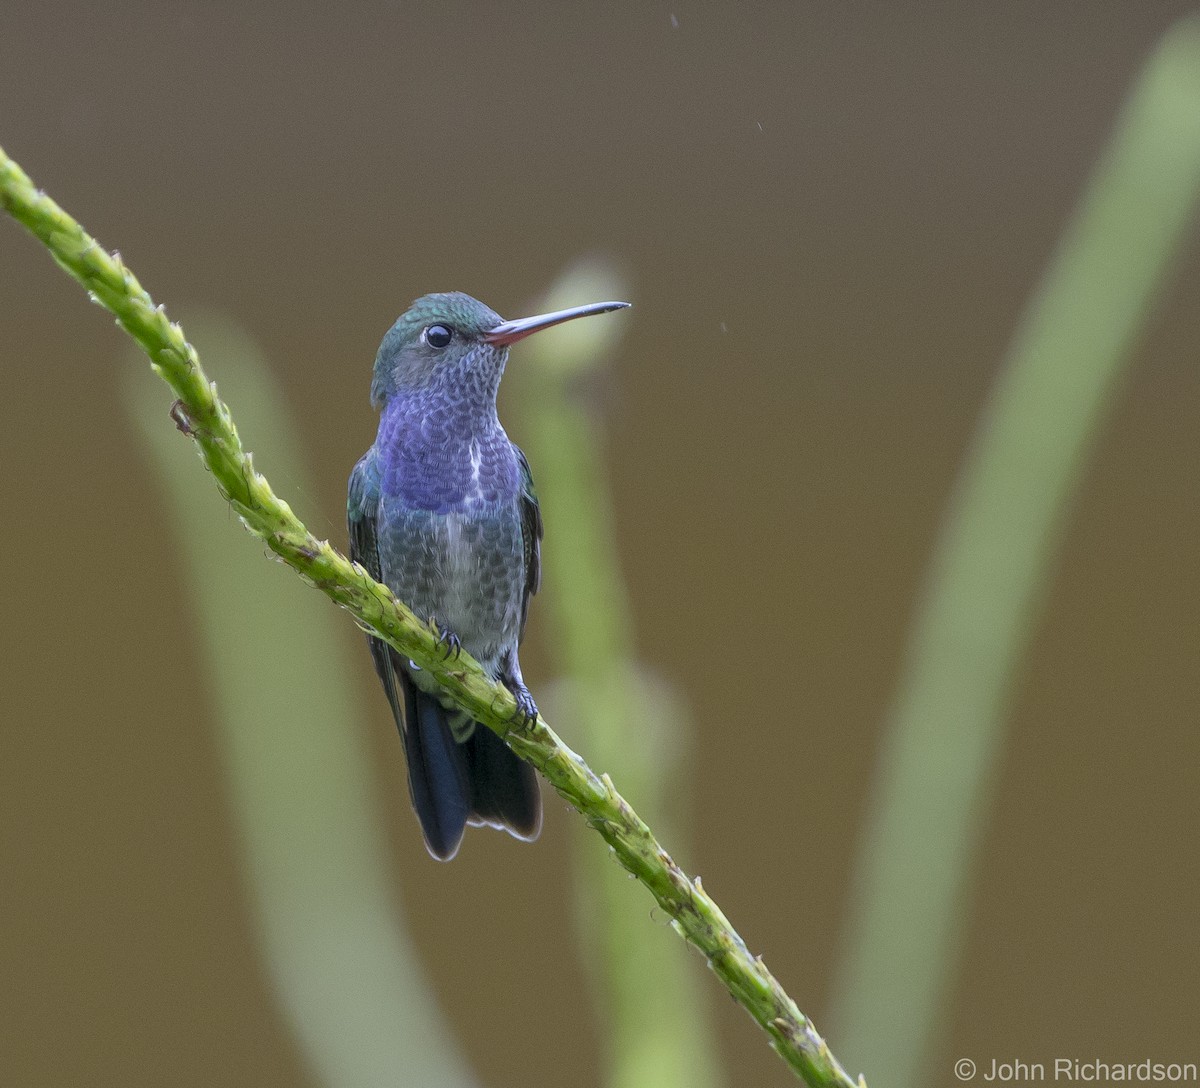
443	511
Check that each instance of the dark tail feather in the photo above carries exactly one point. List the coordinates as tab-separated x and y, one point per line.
479	782
504	788
438	774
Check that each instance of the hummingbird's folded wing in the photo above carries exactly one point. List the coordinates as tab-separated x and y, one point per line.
362	513
531	535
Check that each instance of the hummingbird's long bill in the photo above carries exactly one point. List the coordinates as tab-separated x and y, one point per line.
509	332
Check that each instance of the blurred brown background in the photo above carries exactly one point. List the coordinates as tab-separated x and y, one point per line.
832	216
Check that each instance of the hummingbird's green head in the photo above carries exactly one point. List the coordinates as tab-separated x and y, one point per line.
451	340
431	340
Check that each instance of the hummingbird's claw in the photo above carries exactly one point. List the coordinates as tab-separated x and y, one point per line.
527	711
448	642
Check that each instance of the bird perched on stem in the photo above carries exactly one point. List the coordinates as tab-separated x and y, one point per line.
443	511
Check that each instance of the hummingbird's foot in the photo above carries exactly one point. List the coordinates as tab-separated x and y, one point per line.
448	642
527	711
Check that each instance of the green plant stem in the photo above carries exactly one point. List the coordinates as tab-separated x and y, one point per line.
201	415
657	1032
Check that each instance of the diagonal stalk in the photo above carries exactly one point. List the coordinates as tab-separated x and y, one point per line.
200	414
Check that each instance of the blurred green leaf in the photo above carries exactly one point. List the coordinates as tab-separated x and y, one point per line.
633	725
991	564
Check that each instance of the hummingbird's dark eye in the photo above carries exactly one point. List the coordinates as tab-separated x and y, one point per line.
438	336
